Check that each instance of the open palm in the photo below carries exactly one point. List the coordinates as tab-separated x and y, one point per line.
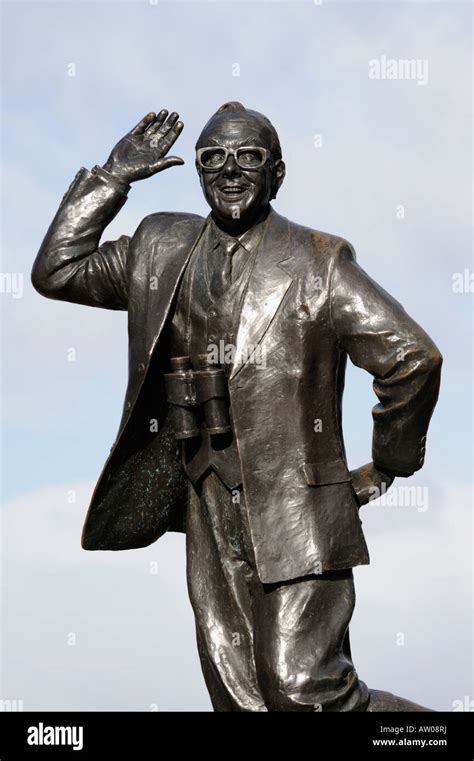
141	153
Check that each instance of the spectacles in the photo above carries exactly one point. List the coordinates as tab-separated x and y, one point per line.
248	157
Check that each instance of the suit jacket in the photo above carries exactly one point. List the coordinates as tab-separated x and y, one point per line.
308	306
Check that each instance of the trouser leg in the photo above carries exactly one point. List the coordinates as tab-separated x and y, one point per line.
275	647
301	644
219	577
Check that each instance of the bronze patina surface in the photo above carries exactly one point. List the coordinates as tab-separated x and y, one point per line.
240	326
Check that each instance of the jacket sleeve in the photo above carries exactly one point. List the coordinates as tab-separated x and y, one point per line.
380	337
70	265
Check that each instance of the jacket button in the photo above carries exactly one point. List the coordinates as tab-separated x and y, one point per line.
211	338
141	367
212	312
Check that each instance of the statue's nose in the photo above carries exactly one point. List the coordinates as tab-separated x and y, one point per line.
231	167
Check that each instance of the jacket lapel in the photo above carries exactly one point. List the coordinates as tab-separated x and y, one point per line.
168	262
268	283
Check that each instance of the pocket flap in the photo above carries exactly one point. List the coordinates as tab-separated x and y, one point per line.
323	473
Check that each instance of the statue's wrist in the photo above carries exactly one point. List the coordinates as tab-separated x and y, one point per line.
107	173
385	474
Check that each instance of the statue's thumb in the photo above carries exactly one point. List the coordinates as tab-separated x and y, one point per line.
172	161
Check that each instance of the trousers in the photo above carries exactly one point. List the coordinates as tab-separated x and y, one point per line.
264	647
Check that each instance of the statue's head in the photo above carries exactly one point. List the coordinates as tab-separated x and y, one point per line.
238	158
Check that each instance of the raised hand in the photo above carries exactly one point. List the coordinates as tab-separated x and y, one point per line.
141	153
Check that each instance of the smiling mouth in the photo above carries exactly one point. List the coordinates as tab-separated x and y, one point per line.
230	191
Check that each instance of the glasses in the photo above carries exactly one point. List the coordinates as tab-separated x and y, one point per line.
248	157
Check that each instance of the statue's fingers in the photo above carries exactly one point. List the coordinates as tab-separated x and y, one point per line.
142	124
167	141
169	124
157	122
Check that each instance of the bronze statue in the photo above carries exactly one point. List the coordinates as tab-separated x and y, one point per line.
240	325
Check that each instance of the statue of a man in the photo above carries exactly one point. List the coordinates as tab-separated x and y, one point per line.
240	325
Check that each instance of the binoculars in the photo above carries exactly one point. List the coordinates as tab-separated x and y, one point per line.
195	395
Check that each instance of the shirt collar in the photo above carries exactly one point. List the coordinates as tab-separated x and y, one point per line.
248	240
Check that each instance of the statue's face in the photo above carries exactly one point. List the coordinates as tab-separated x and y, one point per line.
233	192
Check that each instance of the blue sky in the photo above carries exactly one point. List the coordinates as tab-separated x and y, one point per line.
384	144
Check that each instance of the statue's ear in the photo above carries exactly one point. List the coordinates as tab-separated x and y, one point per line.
279	171
198	170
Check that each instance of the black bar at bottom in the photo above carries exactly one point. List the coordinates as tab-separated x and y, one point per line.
150	735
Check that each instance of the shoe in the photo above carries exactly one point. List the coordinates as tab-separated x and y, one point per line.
380	702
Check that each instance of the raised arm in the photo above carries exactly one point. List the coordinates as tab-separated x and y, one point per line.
70	265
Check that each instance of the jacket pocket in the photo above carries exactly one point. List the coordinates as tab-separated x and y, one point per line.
325	473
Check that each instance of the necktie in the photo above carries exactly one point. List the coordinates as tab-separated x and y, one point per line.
222	277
